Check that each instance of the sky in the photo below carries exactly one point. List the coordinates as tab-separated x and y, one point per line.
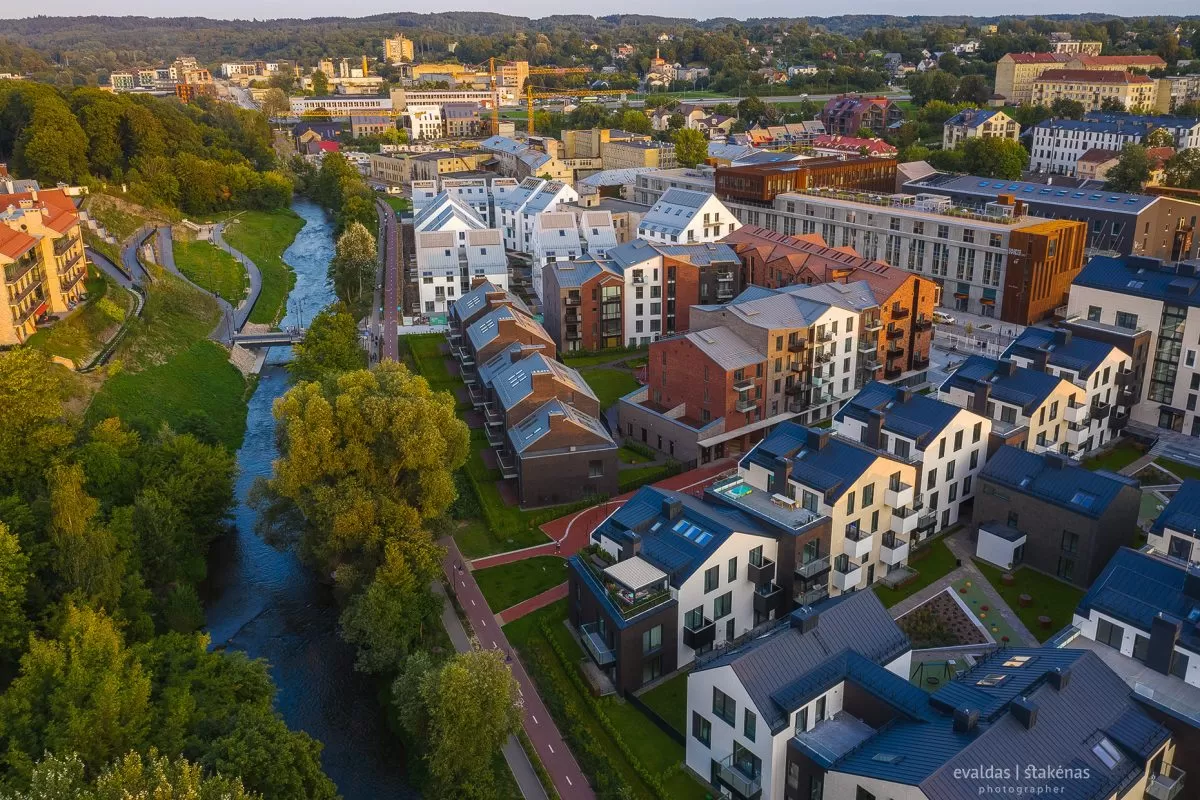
269	9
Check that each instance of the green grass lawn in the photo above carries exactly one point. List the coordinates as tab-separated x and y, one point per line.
609	384
110	251
630	479
1120	456
1051	597
1184	471
398	204
86	331
932	562
658	753
508	584
606	357
211	268
628	456
263	236
166	370
669	700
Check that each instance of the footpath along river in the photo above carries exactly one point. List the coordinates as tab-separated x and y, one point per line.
267	604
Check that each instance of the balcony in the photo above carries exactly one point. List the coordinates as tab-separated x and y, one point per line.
920	362
1119	420
1125	377
796	366
870	363
867	345
700	636
891	373
1077	434
629	601
797	345
898	494
827	336
736	776
1100	409
1076	413
810	596
923	324
767	597
744	385
746	404
846	574
63	245
639	280
894	334
927	521
69	263
816	382
857	542
873	325
573	317
894	350
507	464
904	519
573	335
763	572
899	311
893	550
1165	785
724	292
597	648
813	568
572	301
823	357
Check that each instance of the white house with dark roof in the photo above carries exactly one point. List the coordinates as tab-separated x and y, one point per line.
455	249
685	216
516	211
1176	531
948	443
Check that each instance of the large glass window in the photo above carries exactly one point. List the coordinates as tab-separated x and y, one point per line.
652	639
723	605
712	578
1109	634
701	729
724	706
1166	354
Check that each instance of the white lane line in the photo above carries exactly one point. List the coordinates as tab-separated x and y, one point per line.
472	602
484	621
535	722
550	747
568	777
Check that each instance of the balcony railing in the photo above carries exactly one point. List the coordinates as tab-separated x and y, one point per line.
1100	409
69	263
594	643
629	607
797	345
744	385
813	595
762	572
923	323
867	345
700	636
746	404
810	569
892	372
767	597
874	325
895	350
824	357
894	334
63	245
736	777
827	336
1165	785
920	362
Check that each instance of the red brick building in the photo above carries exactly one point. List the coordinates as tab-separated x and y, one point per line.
846	115
583	304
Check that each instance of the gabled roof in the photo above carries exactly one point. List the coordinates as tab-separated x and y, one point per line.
1021	386
485	329
826	463
787	667
573	274
1038	58
1182	514
780	310
515	382
856	295
674	211
444	210
678	539
1066	351
728	350
1055	479
1107	76
972	117
1136	587
590	433
1143	277
914	416
14	244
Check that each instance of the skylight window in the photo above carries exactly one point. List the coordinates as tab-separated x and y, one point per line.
1083	499
1016	662
992	680
1107	752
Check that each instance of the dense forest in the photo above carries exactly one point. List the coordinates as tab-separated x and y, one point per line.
200	158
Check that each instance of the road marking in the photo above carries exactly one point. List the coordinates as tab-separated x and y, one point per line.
568	777
472	602
535	722
550	747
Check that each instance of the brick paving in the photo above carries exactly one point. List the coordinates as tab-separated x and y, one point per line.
533	604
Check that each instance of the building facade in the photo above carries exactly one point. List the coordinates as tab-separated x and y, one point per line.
978	123
1133	92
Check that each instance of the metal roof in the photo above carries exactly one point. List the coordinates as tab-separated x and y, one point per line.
819	460
1143	277
635	573
1182	514
1023	387
529	431
1055	479
986	189
1066	351
915	416
514	383
725	347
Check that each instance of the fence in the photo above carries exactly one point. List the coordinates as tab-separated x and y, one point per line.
653	716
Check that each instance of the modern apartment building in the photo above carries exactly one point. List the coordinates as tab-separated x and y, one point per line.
682	216
1028	408
397	49
902	322
1058	144
947	443
1160	227
1137	618
583	303
1132	295
564	235
846	115
1176	530
451	260
746	366
1092	87
515	211
762	183
741	703
41	253
1103	370
520	160
978	123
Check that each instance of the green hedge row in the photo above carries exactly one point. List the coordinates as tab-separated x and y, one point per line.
538	766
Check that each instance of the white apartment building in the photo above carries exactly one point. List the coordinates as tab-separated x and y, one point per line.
1058	143
477	193
567	235
1131	294
1176	531
740	716
454	249
650	186
423	121
516	211
948	443
1096	367
339	105
682	216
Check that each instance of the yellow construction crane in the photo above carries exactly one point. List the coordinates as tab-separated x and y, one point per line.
545	94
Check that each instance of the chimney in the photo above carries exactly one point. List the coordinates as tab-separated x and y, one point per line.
1025	712
1060	677
1164	633
1006	367
983	393
817	438
1062	337
904	395
965	719
1191	583
671	509
1056	461
805	619
875	418
781	473
1041	360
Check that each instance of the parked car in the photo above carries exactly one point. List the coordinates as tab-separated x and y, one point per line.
944	319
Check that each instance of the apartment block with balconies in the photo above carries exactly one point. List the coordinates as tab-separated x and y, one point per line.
583	304
1029	408
1047	512
948	444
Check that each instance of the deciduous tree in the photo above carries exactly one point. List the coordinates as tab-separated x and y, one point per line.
355	263
14	576
1131	172
330	347
994	157
32	419
1183	169
691	148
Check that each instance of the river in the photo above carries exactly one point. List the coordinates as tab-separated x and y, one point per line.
267	604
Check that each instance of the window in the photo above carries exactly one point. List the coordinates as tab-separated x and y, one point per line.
820	715
1127	320
1107	752
1179	664
595	469
1109	634
1141	647
723	605
932	481
756	556
975	459
862	794
701	729
651	639
976	433
724	706
802	720
958	440
850	503
749	724
712	579
868	495
732	573
950	470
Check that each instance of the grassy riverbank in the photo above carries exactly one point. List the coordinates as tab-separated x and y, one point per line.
263	236
211	268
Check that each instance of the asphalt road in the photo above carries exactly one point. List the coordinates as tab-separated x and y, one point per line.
129	257
242	312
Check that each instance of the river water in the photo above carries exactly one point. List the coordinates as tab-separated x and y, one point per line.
267	604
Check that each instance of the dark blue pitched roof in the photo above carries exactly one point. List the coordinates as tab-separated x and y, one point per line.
918	417
1135	587
1182	514
1027	388
615	616
832	467
990	701
1076	353
1142	277
680	545
1055	479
